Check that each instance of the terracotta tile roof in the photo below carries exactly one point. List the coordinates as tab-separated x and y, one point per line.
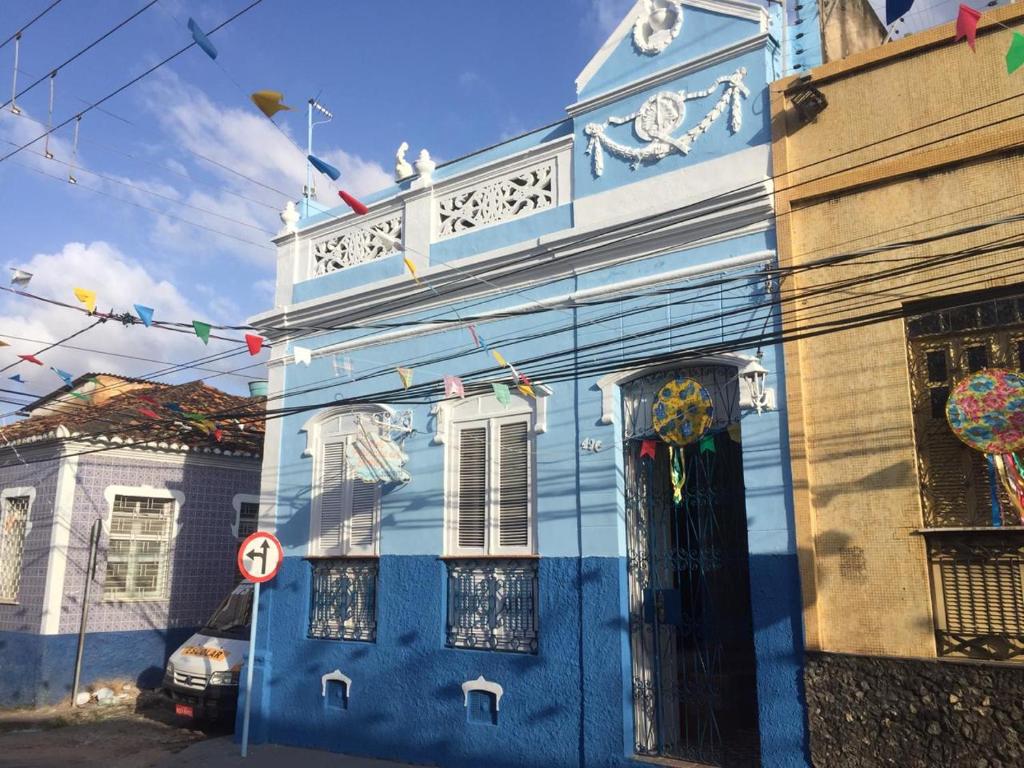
191	414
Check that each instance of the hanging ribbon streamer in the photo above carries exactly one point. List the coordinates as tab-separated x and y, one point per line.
145	314
202	330
269	102
87	297
74	153
20	277
993	489
1013	483
677	472
405	374
201	39
254	343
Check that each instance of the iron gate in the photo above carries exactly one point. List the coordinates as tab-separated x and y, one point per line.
694	684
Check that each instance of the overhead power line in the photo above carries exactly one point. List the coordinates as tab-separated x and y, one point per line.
31	21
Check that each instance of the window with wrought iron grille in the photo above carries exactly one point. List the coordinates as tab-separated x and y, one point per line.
492	605
138	548
343	599
976	574
248	518
14	512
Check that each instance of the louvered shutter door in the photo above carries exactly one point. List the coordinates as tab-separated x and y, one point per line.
332	498
514	486
472	518
365	504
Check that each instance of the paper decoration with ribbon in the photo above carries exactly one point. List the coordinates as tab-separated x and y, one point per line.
677	472
986	411
31	359
405	374
353	203
201	39
894	9
1015	54
472	332
502	393
20	277
254	343
269	102
145	314
325	168
302	355
967	24
648	448
17	377
87	297
499	358
683	411
453	386
411	267
149	413
202	330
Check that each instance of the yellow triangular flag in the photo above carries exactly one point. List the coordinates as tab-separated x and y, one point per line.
405	374
87	297
527	389
411	267
499	358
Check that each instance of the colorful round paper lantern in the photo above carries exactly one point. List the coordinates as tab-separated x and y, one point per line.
683	411
986	411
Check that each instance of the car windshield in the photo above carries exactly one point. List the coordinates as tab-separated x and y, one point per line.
232	618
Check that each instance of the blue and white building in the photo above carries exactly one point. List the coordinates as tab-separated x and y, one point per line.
508	581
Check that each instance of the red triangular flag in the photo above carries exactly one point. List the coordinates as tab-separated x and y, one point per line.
218	434
352	203
967	24
148	399
255	343
149	413
647	448
31	359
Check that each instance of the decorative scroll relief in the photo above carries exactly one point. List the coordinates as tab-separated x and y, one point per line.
518	194
356	246
660	116
657	25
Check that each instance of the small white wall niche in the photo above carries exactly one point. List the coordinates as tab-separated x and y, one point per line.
335	689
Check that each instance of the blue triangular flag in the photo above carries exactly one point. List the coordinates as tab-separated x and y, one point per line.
894	9
17	377
201	40
145	314
173	407
67	377
325	168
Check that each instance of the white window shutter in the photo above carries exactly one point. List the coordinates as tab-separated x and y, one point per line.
472	500
332	498
514	486
363	521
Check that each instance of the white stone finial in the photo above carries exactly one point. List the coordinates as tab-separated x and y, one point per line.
402	168
290	218
425	167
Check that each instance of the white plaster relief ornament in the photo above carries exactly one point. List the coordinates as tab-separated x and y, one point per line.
657	25
660	116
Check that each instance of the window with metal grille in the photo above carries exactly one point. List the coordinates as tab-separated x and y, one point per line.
978	585
248	518
490	502
492	605
344	600
138	550
13	527
944	346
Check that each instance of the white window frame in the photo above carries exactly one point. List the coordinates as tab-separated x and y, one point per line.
485	411
237	502
17	493
316	439
177	499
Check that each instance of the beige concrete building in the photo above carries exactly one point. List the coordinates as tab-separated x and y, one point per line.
899	172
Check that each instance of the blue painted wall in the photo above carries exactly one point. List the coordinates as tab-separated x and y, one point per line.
37	670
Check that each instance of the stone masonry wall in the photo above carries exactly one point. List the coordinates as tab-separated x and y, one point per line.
868	711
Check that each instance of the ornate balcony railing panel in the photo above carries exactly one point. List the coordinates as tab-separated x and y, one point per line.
356	245
343	602
492	605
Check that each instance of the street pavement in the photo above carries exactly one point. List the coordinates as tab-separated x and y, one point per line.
223	751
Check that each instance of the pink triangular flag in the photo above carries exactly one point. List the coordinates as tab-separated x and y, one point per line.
967	24
453	386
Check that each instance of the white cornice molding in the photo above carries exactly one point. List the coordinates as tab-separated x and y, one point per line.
669	74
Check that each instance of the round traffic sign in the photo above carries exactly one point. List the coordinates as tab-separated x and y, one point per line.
260	556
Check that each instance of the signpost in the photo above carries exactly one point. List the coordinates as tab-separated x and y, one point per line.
259	557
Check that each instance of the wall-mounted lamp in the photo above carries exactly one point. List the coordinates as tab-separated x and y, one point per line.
756	376
807	100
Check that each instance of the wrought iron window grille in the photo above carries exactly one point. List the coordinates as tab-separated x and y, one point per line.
343	599
492	605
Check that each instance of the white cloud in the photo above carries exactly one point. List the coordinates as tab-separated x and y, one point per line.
602	16
119	283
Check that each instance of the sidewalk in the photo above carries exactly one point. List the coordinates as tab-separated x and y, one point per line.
214	753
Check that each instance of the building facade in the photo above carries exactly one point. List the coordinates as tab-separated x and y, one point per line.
899	237
172	511
506	568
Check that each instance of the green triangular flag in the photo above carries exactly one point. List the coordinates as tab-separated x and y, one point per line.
501	393
202	330
79	395
707	444
1015	56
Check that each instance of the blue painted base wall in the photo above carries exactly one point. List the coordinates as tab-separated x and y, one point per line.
36	670
567	706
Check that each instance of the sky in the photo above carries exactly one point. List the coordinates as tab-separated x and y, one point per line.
180	178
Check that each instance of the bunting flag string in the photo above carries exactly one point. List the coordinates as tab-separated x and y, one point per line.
302	355
967	20
453	386
20	277
254	343
87	297
202	330
405	374
145	314
201	39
